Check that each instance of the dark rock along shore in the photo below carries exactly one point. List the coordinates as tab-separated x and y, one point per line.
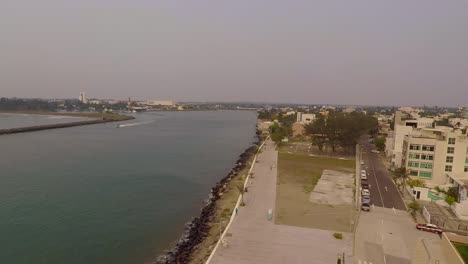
60	125
197	229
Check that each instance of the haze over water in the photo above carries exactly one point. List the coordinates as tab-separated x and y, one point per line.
100	194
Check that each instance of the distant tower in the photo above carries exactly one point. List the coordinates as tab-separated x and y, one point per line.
82	98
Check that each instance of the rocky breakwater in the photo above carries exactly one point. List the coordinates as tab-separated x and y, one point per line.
197	229
63	125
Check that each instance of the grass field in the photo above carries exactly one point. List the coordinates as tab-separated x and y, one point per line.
463	250
297	176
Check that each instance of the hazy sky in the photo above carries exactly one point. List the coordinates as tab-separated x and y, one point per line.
343	52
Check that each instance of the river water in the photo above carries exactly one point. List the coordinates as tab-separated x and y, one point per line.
101	194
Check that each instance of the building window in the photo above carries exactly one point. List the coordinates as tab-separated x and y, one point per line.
414	155
425	165
427	156
449	159
466	169
450	150
413	164
413	173
451	141
448	168
425	174
428	147
415	147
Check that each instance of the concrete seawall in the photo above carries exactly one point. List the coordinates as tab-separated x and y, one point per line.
60	125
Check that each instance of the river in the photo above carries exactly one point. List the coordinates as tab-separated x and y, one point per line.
101	194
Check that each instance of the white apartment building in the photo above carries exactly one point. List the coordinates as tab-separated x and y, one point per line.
305	118
438	156
401	129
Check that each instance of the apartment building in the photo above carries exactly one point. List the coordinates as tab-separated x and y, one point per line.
437	155
305	118
403	128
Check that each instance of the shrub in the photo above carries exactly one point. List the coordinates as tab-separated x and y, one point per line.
338	235
450	200
416	183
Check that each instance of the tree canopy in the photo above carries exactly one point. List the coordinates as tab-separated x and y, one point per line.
380	143
340	129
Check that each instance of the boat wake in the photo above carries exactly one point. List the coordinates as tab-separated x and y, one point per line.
134	124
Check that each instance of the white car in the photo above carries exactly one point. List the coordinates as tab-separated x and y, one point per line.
365	192
363	171
362	162
375	151
363	176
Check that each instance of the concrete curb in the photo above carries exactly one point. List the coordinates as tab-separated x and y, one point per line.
233	215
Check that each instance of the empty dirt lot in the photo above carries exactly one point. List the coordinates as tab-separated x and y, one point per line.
298	175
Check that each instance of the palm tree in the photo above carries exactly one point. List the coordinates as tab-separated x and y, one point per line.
241	190
402	175
414	207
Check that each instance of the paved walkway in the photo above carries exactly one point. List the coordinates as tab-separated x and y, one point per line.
252	238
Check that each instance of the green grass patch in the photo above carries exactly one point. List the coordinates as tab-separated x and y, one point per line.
307	170
463	250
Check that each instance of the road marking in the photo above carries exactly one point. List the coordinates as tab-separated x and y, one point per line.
394	211
378	188
386	188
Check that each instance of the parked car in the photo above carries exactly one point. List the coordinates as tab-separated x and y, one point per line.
365	192
362	162
366	199
363	176
375	151
363	171
364	184
429	228
365	207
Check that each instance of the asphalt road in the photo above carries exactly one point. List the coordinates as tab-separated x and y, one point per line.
382	188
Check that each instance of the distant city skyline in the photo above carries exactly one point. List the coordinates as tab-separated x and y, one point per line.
305	52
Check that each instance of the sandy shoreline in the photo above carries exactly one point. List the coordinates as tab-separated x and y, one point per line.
202	228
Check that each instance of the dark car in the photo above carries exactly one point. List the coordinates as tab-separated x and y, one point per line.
429	228
364	184
365	207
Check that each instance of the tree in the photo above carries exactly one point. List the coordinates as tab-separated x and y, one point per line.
287	122
380	143
449	199
318	141
402	175
340	129
277	133
416	183
453	191
241	190
414	207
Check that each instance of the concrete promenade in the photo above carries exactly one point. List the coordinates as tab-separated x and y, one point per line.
252	238
387	236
